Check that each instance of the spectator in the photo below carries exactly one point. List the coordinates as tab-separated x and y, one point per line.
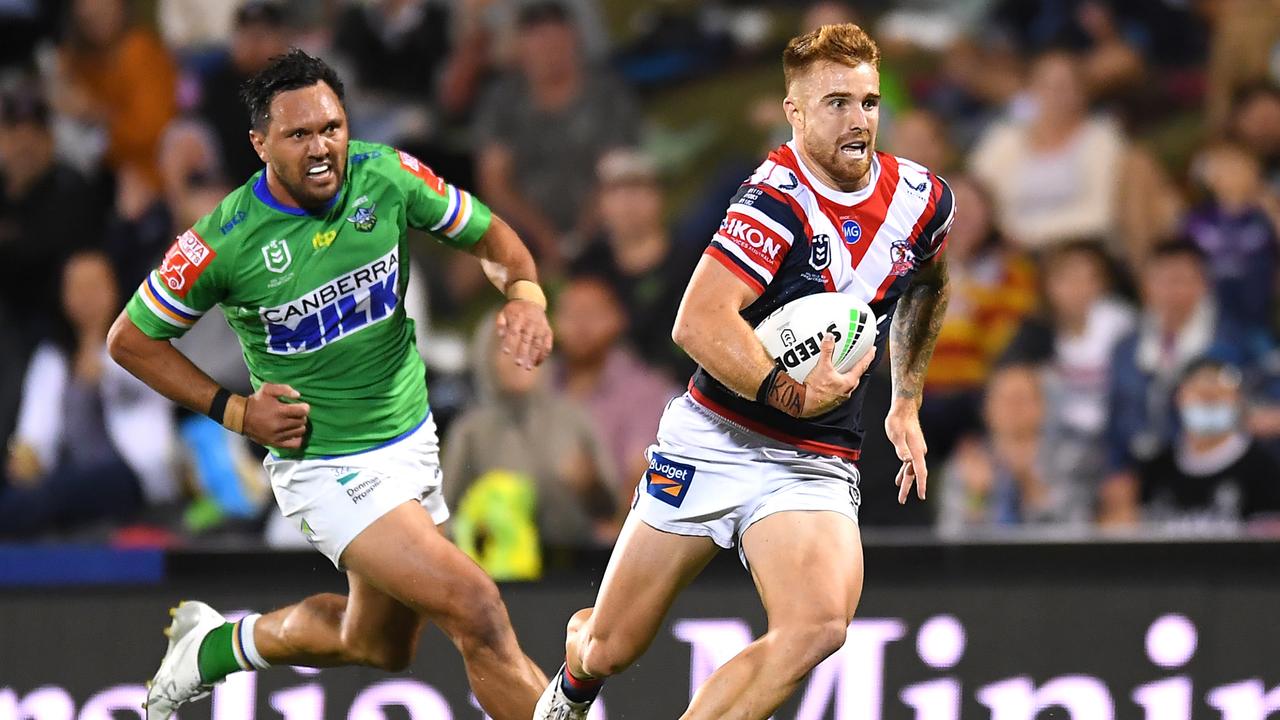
1179	322
1256	124
921	135
637	254
517	426
992	289
540	126
1214	473
1242	52
1006	479
1237	236
92	441
622	395
1102	31
1073	341
397	49
258	34
1054	177
46	212
120	77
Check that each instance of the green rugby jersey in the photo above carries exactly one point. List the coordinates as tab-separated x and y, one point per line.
316	298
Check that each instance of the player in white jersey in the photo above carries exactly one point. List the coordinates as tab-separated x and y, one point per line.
750	456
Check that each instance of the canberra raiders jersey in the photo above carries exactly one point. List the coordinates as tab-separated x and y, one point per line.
316	298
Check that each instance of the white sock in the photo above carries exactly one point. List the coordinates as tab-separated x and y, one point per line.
250	647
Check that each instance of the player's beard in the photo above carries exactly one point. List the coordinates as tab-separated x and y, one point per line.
305	193
847	171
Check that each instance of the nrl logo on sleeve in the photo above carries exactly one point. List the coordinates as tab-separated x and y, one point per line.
364	219
276	255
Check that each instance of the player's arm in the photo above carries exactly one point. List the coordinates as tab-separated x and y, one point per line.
912	337
262	416
711	329
522	324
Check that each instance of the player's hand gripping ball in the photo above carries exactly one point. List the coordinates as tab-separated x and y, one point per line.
793	333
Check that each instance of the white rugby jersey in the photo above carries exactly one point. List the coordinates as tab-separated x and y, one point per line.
787	235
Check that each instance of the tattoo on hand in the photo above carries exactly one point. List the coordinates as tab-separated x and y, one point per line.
786	395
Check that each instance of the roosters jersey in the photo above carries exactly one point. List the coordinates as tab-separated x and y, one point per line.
787	235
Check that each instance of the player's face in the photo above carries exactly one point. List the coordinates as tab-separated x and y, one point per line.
834	110
305	143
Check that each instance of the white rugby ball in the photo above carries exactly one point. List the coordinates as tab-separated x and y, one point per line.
793	333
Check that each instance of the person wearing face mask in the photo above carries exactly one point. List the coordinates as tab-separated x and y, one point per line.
1213	471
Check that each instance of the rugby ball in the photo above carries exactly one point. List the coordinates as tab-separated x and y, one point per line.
793	333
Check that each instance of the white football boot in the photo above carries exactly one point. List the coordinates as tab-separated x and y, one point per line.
553	705
178	679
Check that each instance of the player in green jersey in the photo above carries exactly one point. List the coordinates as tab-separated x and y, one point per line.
306	261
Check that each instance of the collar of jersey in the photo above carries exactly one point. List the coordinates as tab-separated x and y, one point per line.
830	193
263	193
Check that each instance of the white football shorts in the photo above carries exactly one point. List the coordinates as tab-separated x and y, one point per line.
710	477
332	500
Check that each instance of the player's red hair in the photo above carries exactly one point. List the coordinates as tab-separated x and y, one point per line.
845	43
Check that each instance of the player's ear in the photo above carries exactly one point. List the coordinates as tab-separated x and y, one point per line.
258	140
791	107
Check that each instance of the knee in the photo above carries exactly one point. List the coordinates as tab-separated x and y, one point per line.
809	643
604	653
480	619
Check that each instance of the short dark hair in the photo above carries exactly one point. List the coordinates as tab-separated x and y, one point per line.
1229	370
542	11
1178	247
290	71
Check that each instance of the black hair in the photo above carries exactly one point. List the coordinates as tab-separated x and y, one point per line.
290	71
1212	364
1178	247
542	11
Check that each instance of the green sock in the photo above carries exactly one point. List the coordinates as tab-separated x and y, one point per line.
217	657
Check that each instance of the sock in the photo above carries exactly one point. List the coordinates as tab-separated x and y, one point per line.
224	651
579	690
247	644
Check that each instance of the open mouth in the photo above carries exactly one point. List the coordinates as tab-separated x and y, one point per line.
320	172
856	149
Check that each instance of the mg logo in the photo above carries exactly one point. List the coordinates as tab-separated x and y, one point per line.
276	255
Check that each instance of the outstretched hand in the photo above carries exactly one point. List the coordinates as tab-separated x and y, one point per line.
524	332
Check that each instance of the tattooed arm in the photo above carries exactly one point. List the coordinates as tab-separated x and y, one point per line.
912	336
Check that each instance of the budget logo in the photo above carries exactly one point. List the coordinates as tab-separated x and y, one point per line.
668	480
341	307
276	255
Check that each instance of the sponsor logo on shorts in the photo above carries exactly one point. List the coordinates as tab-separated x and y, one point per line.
358	491
667	479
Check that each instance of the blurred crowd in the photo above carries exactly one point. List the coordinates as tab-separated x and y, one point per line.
1109	359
